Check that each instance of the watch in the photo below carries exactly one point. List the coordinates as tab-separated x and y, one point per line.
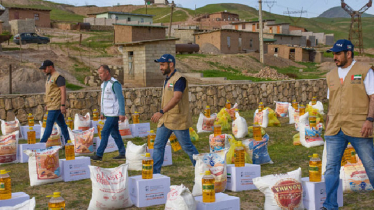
370	119
161	111
62	104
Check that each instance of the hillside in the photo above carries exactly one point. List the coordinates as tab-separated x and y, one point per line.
338	12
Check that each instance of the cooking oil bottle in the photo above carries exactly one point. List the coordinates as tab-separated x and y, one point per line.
100	126
239	155
315	169
260	107
70	123
31	136
147	171
45	120
313	121
207	111
301	110
228	105
56	202
217	130
295	105
209	194
30	120
174	143
5	185
257	134
135	118
352	151
69	151
151	139
95	115
314	100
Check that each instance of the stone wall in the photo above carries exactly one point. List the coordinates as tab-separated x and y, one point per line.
94	79
147	100
22	26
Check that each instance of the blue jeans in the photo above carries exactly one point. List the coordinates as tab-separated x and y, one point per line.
335	146
58	117
111	128
162	137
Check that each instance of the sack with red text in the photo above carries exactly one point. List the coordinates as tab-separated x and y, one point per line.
83	141
8	127
9	148
180	198
261	118
110	188
310	136
205	124
55	138
124	129
355	178
82	123
282	109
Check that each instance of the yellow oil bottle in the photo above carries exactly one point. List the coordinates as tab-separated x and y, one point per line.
295	105
313	121
257	134
352	151
209	194
31	136
151	139
70	123
30	120
5	185
45	120
314	100
100	126
228	105
239	155
174	143
261	107
217	130
301	110
56	202
95	115
147	169
207	111
135	118
315	169
69	151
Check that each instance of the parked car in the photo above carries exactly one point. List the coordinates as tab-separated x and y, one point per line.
30	38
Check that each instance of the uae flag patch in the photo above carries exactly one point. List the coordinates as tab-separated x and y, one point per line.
356	79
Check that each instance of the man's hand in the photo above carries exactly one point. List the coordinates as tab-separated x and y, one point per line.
46	108
101	117
63	109
122	118
156	117
367	129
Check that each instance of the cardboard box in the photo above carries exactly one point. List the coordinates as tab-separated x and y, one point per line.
149	192
140	130
314	194
37	129
168	160
240	178
223	202
73	170
17	198
111	147
23	158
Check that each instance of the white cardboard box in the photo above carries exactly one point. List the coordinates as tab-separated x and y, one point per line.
240	178
24	129
17	198
73	170
149	192
223	202
111	147
23	158
314	194
140	130
168	160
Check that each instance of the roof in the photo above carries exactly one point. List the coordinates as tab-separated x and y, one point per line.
293	46
121	13
144	42
285	35
236	23
276	24
225	13
230	30
21	8
144	25
270	40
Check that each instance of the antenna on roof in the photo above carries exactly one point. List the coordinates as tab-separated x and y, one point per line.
295	12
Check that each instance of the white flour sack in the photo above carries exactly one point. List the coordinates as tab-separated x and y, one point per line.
9	148
124	129
291	114
8	127
355	178
135	155
180	198
281	108
205	124
110	188
282	191
55	138
239	126
219	143
82	122
262	118
83	141
310	137
216	164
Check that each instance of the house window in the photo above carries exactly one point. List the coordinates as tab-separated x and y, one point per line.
316	41
240	42
258	26
243	26
276	50
36	16
292	50
250	43
129	19
228	42
271	30
142	20
131	64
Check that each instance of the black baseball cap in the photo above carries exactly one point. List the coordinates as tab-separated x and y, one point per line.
45	64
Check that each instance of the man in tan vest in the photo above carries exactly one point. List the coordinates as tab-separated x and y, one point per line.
175	115
55	100
350	116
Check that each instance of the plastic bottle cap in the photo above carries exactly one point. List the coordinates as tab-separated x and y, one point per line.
69	141
314	97
46	112
236	110
95	110
228	101
191	129
207	173
208	107
294	100
151	131
261	103
30	114
136	112
69	118
55	195
147	154
4	171
239	144
315	155
30	128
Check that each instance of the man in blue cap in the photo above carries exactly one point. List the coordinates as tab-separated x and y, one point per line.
175	115
350	116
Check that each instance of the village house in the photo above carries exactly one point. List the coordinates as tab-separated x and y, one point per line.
141	18
41	16
125	33
298	54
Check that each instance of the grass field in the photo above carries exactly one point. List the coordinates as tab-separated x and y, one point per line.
285	155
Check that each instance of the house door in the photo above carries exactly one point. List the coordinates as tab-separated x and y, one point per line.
271	30
253	27
278	29
236	27
16	15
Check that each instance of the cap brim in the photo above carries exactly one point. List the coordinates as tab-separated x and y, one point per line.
42	67
156	60
333	50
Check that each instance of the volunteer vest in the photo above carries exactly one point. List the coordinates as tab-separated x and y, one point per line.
348	102
52	92
109	100
179	117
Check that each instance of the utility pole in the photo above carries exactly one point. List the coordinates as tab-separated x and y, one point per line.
171	18
146	3
10	79
261	32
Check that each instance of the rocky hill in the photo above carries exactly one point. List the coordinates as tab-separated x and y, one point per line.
338	12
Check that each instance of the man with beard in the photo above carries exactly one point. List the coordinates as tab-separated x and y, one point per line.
175	115
350	116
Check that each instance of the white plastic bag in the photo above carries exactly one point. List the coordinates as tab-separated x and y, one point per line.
262	118
239	126
82	122
83	141
354	178
110	188
205	124
55	138
216	164
218	143
26	205
282	191
124	129
310	137
8	127
318	106
281	108
180	198
324	158
9	148
291	114
44	166
135	155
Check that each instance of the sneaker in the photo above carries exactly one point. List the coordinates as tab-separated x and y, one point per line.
97	158
120	157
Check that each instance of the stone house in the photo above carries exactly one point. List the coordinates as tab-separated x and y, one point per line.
298	54
286	39
186	35
224	16
217	20
125	33
142	18
41	16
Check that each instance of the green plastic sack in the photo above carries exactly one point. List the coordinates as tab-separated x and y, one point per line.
273	120
296	139
230	156
193	135
250	131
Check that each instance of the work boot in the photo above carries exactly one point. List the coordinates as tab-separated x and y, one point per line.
97	158
120	157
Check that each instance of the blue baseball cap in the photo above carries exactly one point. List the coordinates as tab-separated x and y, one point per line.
342	45
166	58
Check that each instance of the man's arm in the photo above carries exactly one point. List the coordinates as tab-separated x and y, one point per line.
367	128
61	83
174	101
121	100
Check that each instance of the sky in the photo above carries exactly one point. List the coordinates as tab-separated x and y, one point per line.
313	7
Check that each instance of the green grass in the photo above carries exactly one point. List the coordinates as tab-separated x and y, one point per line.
73	87
191	55
10	48
310	72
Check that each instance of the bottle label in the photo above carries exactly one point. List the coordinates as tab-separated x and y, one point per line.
2	186
208	186
313	169
353	153
147	167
